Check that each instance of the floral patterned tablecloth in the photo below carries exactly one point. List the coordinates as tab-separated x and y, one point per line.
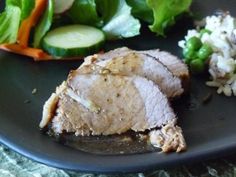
14	165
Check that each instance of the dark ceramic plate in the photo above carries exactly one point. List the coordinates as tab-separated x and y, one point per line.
209	128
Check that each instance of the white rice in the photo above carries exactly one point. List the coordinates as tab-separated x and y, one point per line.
222	64
233	86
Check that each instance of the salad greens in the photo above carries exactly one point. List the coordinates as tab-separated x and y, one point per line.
116	18
113	17
165	12
84	12
9	20
44	24
26	8
160	13
141	10
15	11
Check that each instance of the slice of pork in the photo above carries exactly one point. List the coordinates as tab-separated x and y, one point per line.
97	102
109	104
107	96
140	64
173	63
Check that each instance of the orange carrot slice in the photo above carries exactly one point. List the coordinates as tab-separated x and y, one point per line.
37	54
29	22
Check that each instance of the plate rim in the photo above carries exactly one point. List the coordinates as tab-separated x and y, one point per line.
193	157
112	168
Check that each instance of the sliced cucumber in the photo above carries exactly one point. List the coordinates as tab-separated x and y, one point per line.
61	6
73	40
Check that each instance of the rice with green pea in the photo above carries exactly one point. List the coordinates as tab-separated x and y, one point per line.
222	39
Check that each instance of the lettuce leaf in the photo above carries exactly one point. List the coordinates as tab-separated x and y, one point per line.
15	11
26	8
112	16
141	10
84	12
9	24
16	3
117	19
165	12
44	24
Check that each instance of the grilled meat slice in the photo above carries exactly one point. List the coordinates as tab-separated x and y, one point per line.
118	91
173	63
110	104
140	64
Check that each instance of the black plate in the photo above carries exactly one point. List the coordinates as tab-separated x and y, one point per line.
209	128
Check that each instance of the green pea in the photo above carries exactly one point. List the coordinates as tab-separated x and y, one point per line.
194	43
204	52
197	66
203	31
187	60
189	53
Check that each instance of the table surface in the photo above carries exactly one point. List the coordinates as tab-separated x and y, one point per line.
14	165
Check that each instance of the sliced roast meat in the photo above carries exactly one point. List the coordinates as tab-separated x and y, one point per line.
118	91
143	65
173	63
106	56
94	104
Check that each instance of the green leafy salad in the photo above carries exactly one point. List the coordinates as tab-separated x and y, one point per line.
54	29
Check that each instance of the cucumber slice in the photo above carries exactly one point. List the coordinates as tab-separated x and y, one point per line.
61	6
73	40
